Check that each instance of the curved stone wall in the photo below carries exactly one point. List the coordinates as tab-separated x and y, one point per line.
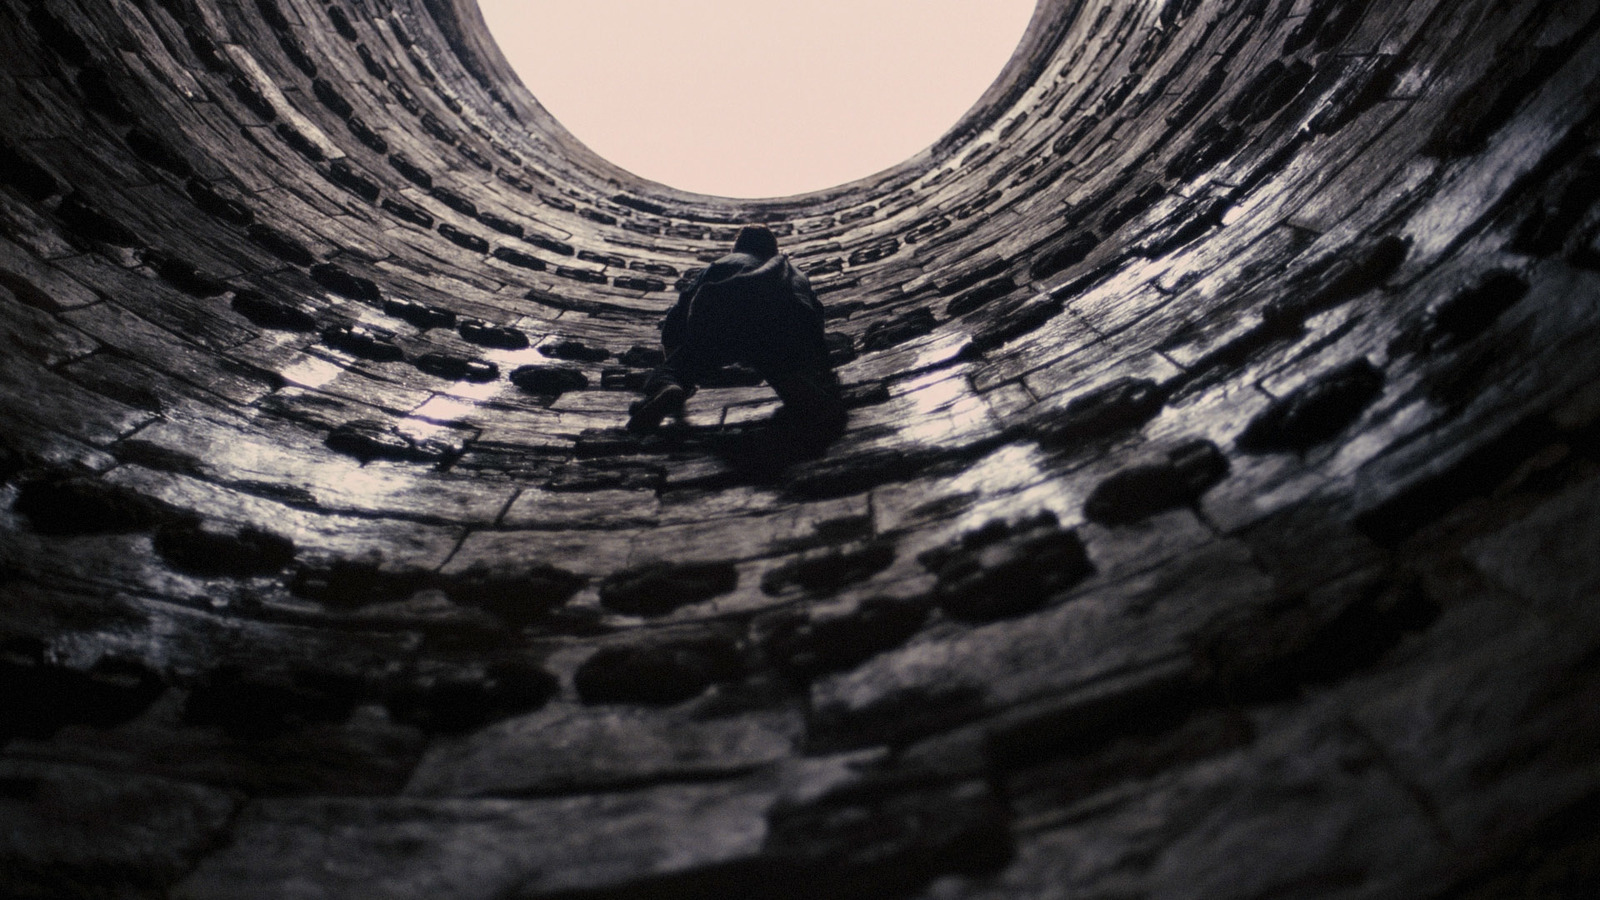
1215	516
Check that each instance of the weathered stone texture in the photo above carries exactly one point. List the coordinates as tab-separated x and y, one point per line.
1214	516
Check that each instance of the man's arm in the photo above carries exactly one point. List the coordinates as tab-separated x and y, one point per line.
674	326
811	318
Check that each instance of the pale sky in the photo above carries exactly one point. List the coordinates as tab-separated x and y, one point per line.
742	98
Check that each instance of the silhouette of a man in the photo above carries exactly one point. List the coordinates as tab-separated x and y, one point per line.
751	307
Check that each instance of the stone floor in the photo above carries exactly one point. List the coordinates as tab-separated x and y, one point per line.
1215	517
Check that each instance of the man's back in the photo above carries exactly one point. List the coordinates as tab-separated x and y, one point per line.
753	307
754	300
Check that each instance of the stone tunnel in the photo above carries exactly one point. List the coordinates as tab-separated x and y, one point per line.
1210	520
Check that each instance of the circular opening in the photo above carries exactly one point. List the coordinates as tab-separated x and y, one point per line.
742	99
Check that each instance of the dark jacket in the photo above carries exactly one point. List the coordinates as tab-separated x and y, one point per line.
752	309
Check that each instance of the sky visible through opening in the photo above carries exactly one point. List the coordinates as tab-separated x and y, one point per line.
757	99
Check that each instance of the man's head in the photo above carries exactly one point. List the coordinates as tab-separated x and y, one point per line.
756	240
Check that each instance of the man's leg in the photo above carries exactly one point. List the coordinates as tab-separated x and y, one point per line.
714	331
811	395
664	393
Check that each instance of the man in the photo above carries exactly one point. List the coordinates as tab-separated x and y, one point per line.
751	307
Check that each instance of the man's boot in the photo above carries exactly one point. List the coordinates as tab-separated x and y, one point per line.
664	399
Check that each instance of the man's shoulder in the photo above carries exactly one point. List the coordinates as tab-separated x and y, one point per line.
738	266
736	260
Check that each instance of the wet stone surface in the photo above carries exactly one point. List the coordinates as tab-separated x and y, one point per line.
43	697
1123	405
421	315
208	550
517	596
536	379
576	351
269	312
1314	413
345	284
76	827
456	368
883	335
367	439
364	342
641	357
657	672
658	589
82	505
883	840
1212	515
458	702
807	644
828	572
484	334
1470	312
1006	569
1138	492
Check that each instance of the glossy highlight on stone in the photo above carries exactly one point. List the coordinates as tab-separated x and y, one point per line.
1213	514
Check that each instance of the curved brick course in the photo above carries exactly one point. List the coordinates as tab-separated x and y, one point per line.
1214	518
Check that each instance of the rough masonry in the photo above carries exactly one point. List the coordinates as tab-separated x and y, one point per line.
1216	516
